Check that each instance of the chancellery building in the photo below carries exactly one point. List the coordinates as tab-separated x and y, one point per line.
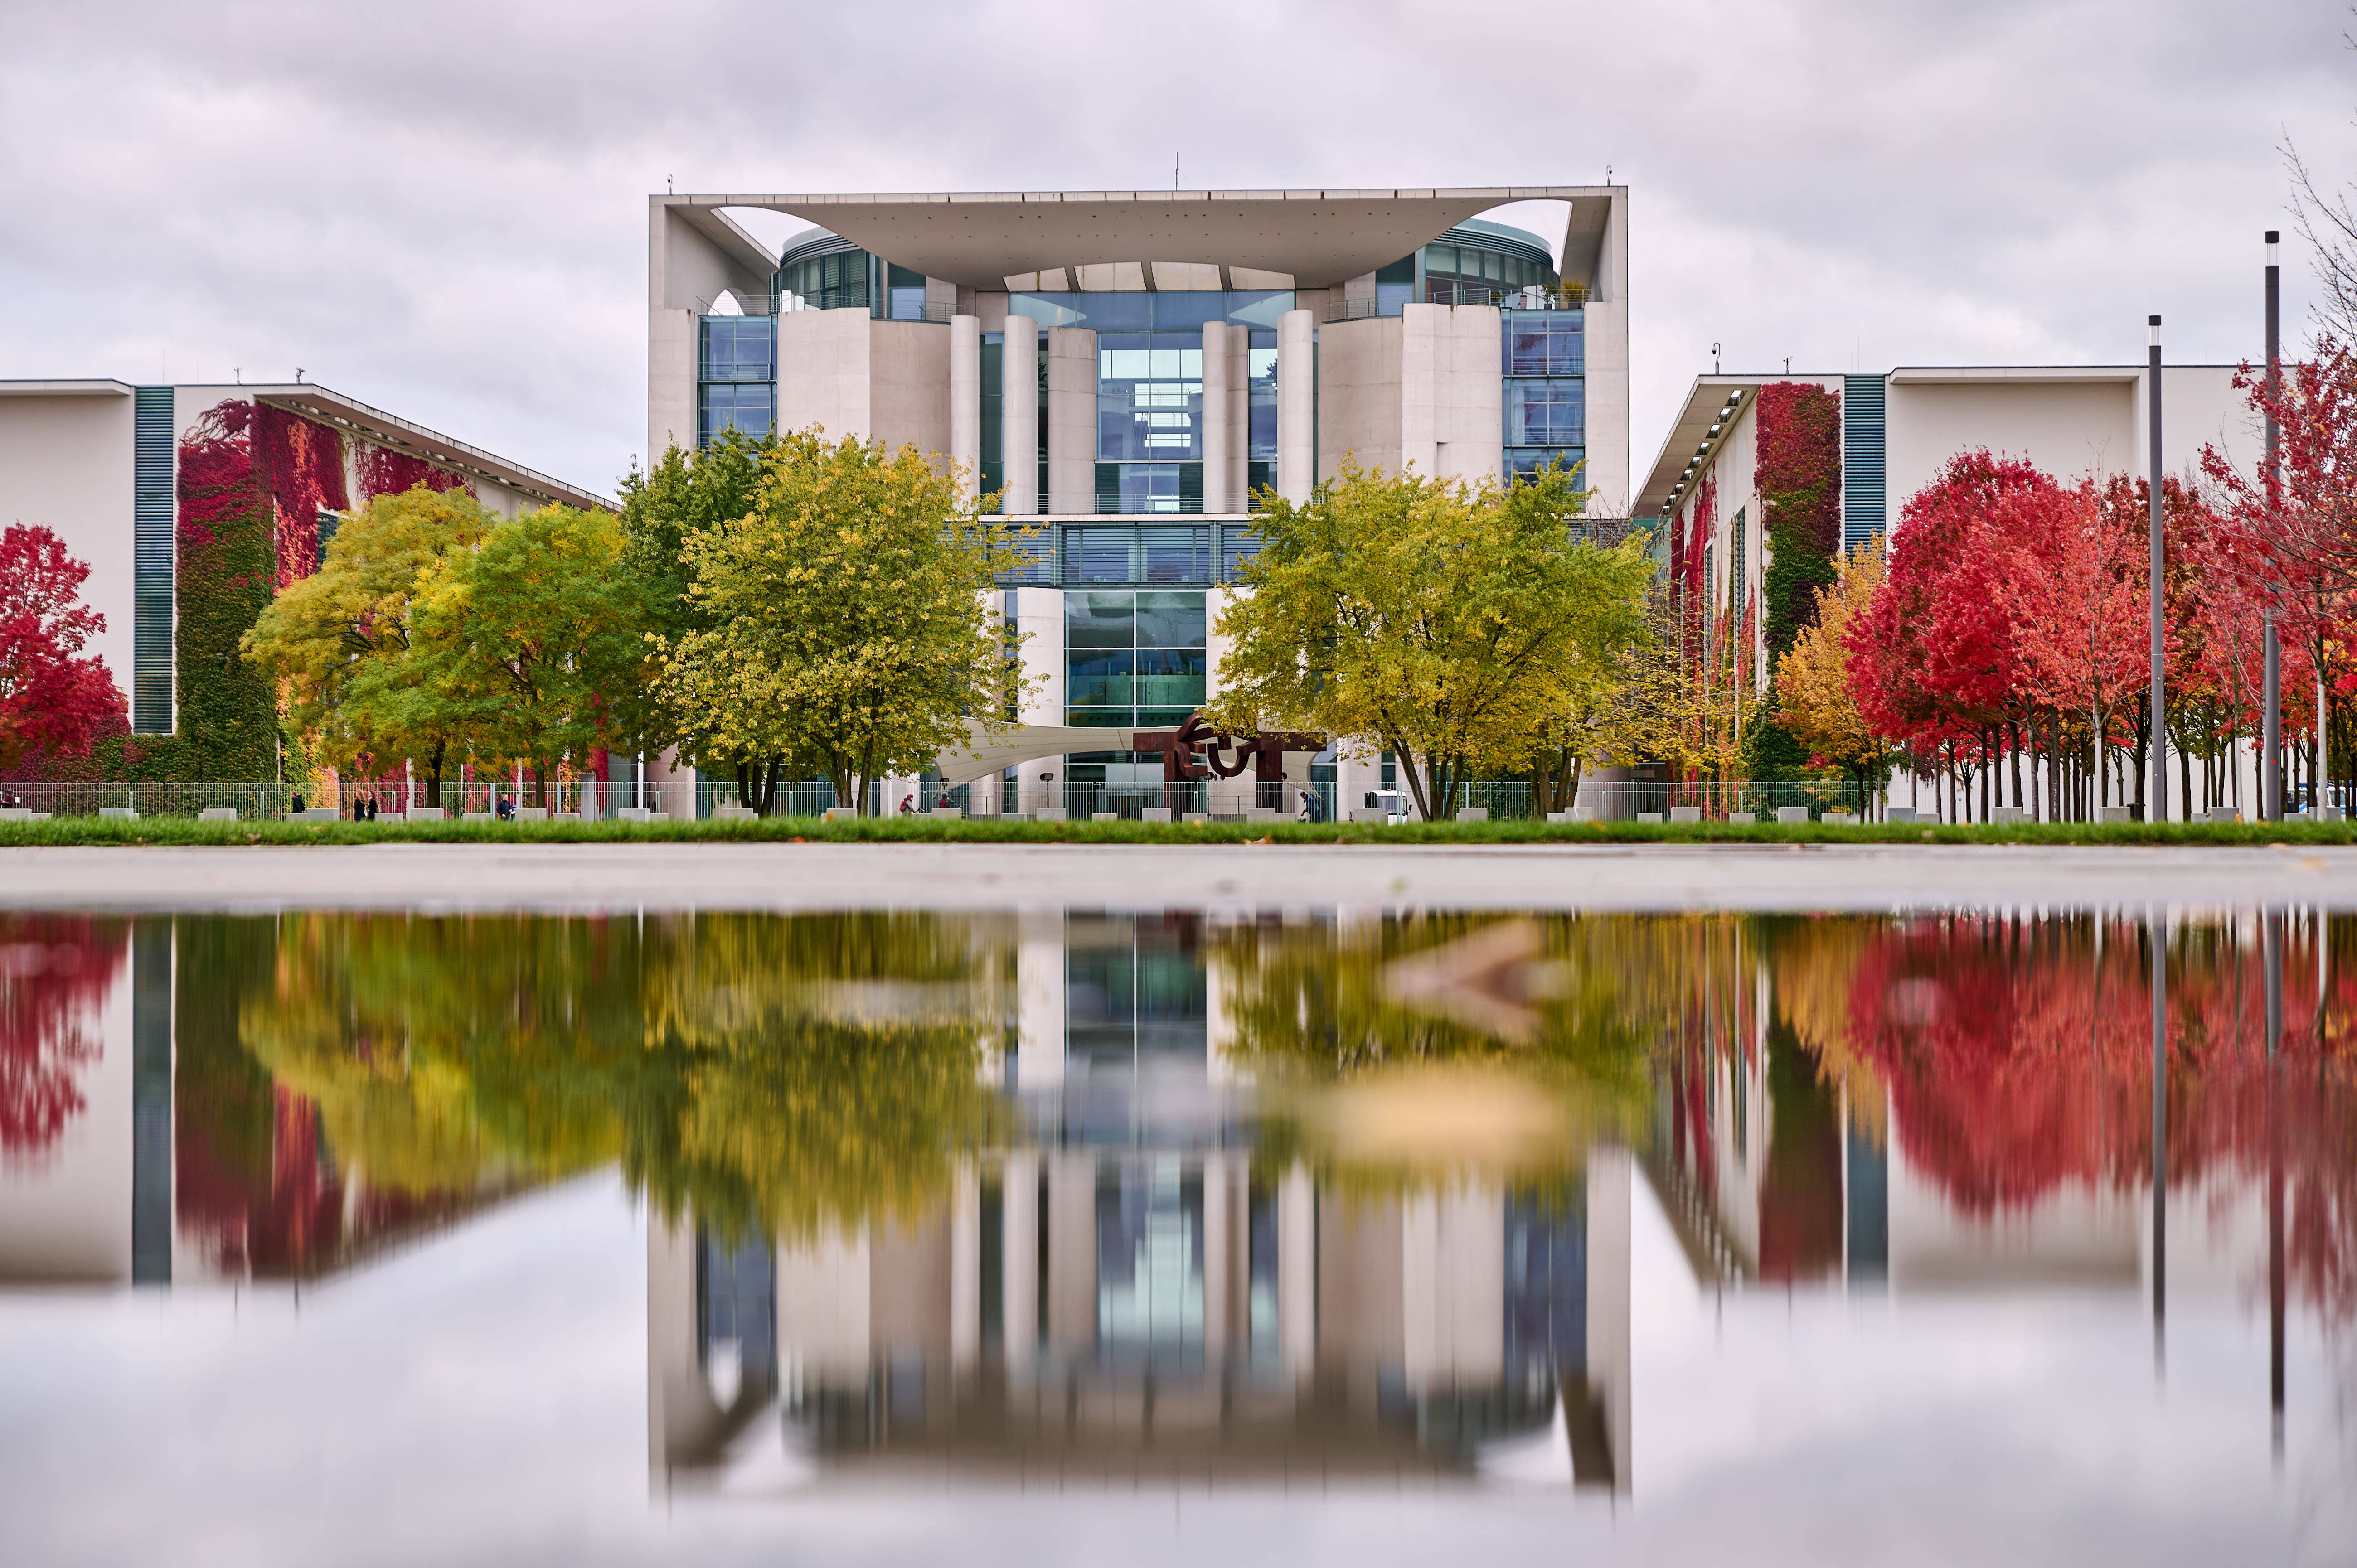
1126	368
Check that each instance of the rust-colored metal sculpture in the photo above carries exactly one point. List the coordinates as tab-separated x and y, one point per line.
1195	750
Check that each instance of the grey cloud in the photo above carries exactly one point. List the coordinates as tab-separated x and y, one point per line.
439	207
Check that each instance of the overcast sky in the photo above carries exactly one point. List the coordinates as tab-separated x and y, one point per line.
439	208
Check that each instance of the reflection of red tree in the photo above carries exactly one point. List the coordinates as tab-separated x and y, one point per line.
284	1208
55	971
2018	1057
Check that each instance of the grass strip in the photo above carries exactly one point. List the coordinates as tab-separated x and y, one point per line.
180	830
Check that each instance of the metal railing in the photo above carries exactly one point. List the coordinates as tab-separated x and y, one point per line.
1570	296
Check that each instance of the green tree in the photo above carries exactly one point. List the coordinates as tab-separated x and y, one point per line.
533	643
1442	622
339	642
682	495
846	620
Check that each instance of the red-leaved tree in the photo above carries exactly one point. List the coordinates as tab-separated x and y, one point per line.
54	699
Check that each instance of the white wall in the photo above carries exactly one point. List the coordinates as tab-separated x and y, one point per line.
65	1211
1452	414
824	372
66	464
1359	394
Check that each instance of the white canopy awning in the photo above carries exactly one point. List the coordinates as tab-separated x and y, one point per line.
994	749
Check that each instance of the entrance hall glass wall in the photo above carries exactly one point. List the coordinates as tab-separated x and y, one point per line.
1134	659
1150	387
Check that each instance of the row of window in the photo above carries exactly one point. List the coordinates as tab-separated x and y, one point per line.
1204	553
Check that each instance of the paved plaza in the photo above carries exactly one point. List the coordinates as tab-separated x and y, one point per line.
970	876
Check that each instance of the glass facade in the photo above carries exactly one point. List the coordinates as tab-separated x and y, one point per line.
1135	659
837	280
736	375
1150	387
1543	365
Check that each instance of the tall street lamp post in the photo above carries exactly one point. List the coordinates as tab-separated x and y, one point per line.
2271	800
2159	813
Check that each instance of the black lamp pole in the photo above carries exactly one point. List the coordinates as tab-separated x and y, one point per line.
2159	813
2271	799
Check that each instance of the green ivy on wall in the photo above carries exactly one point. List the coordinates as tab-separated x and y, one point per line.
1798	476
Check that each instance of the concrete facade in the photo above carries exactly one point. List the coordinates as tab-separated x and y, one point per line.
1451	412
69	454
1360	361
66	464
1072	420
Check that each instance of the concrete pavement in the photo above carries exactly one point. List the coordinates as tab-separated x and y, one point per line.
975	876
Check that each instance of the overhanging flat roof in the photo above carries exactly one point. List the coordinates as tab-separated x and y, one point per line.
387	430
979	239
332	407
1708	395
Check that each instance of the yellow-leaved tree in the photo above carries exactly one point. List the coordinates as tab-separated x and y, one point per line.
846	621
1816	699
340	642
1439	621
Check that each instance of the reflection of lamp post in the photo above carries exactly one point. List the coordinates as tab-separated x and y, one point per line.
2272	936
2157	935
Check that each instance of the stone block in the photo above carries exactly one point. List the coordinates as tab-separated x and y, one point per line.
1649	816
1154	814
1104	816
218	814
1371	814
1685	813
1791	813
1049	815
118	814
1587	813
1899	814
1473	813
840	814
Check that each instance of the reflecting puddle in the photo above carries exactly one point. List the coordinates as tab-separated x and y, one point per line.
1974	1238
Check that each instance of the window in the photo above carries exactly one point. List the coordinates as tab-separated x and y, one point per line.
1150	397
1546	414
837	280
742	406
1135	659
1545	343
906	294
1261	365
739	348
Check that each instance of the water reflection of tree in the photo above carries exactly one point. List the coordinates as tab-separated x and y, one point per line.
55	973
2018	1056
1310	1006
778	1071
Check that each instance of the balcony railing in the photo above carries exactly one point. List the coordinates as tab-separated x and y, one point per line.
1570	296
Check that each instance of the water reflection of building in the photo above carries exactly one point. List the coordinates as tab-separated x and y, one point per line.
1773	1170
1134	1288
182	1159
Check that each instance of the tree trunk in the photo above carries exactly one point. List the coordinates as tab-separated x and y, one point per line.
434	775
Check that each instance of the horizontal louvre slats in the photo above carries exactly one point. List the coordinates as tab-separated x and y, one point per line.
1862	460
153	561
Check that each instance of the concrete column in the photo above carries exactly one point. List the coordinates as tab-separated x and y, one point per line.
1219	396
965	1270
1611	1189
965	403
1240	419
1019	1273
1217	1236
1039	983
1071	420
1018	415
1297	432
1072	1253
1296	1273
